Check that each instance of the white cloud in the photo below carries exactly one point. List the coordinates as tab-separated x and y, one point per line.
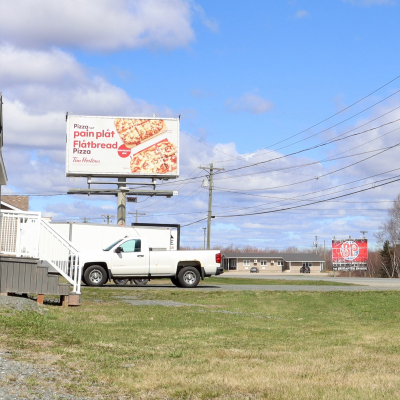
99	24
249	102
36	99
211	24
27	124
370	2
302	14
19	66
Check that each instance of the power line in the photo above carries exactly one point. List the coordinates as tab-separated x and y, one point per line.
328	173
318	191
318	133
307	149
313	126
304	205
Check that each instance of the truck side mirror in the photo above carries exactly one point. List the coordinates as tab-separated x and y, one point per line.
119	249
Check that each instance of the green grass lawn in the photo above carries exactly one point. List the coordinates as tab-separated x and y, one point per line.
220	345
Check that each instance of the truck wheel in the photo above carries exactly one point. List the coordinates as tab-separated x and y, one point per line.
95	275
120	281
189	277
141	282
175	281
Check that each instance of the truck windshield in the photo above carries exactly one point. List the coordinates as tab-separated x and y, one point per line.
112	245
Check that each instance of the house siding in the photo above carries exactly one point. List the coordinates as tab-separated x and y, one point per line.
273	263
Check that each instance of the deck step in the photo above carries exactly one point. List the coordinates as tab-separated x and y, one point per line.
24	275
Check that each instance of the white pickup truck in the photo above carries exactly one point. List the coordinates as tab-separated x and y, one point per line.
131	258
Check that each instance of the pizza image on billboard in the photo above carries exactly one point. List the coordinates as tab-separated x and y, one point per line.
159	158
122	147
136	131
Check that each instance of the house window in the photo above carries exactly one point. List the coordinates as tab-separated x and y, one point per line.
246	263
280	263
307	264
263	262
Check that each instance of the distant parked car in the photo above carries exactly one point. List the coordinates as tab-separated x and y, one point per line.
305	270
254	269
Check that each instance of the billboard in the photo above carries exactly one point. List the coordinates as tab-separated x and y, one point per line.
350	254
123	147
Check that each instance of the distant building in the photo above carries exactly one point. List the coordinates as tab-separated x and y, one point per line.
272	262
19	203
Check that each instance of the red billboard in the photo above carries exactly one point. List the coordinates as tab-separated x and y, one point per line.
350	254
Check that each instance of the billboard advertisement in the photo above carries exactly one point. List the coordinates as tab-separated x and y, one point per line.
123	147
350	254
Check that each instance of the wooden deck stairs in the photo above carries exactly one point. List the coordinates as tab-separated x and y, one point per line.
24	276
29	246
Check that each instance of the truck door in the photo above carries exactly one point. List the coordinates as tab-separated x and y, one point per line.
131	261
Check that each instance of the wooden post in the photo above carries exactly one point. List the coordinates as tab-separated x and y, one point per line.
64	300
40	299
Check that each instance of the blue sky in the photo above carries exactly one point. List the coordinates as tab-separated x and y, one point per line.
243	76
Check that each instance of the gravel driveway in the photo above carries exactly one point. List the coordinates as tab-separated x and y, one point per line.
20	380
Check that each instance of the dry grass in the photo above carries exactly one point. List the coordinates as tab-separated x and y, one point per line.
226	345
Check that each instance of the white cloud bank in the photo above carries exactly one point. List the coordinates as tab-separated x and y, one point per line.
251	103
37	98
103	25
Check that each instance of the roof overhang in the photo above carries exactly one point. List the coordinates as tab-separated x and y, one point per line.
3	174
9	206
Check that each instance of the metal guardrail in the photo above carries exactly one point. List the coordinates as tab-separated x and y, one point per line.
26	234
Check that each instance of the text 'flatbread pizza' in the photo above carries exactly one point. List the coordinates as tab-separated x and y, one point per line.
159	158
136	131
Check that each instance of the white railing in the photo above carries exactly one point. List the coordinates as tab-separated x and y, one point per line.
60	254
26	234
19	233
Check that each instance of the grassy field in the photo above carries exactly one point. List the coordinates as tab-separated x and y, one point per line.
145	344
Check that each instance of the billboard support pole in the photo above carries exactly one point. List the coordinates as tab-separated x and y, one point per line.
121	214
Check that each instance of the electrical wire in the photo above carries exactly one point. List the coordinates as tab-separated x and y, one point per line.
304	205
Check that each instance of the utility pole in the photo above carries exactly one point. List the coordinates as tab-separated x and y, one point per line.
108	217
210	189
121	211
316	244
137	213
205	229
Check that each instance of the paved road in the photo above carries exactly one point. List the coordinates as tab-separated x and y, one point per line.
363	284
